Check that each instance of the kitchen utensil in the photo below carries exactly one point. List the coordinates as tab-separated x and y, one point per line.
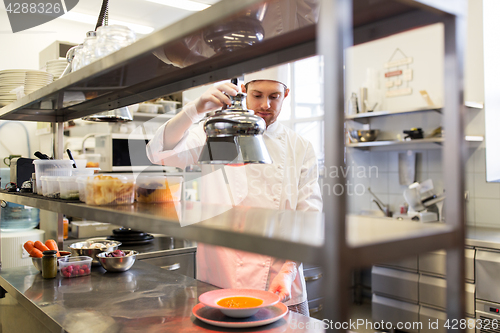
363	135
83	248
41	156
37	262
234	136
71	157
212	298
262	317
117	264
414	133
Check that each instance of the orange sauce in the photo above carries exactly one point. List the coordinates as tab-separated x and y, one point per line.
239	302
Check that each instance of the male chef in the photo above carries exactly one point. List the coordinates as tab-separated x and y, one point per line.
290	182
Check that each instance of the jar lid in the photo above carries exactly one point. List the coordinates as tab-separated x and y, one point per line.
49	252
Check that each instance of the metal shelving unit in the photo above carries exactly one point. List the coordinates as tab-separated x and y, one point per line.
337	242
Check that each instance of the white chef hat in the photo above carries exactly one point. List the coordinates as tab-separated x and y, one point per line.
279	73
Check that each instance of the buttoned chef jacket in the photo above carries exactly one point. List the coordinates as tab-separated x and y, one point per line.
290	182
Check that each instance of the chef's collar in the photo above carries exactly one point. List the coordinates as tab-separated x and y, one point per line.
272	129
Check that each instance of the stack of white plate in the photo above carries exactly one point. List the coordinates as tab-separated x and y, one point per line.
35	80
10	79
56	67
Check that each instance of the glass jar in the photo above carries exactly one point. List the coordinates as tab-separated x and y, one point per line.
111	38
49	264
76	62
88	51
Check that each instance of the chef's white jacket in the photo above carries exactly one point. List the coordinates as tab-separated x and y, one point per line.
290	182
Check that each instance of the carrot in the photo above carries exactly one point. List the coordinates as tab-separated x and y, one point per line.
39	245
52	245
28	246
36	253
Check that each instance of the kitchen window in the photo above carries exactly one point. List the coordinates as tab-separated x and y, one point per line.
304	111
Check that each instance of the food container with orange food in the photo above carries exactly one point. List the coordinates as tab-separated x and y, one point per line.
109	189
158	188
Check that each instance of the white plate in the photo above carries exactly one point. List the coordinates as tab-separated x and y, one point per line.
215	317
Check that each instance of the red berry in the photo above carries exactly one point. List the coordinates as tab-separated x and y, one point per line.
84	266
82	271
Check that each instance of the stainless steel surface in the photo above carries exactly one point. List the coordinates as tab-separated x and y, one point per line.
83	249
432	291
290	234
144	297
395	283
488	275
314	283
234	136
435	263
117	264
180	263
394	311
428	315
117	115
410	264
486	316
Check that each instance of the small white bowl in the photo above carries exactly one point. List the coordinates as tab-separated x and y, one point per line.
211	299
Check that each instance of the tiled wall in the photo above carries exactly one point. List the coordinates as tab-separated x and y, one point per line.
482	205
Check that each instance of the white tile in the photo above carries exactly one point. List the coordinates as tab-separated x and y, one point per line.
394	186
395	202
358	157
482	189
470	219
487	212
393	161
422	161
438	181
434	160
380	160
469	160
357	203
469	184
479	160
379	183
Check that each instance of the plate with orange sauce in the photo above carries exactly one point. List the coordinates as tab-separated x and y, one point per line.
238	303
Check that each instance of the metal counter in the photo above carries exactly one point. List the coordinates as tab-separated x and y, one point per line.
145	298
483	237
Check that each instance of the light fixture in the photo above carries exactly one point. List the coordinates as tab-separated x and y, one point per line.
193	6
234	136
90	19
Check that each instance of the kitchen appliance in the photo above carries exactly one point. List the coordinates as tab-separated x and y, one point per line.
124	153
424	204
234	135
21	170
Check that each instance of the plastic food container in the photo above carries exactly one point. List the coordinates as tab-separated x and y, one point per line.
81	181
68	188
51	168
160	188
84	171
75	266
51	187
109	189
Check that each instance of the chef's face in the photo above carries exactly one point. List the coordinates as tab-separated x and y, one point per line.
265	98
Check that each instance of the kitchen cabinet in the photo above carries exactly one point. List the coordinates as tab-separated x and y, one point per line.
334	241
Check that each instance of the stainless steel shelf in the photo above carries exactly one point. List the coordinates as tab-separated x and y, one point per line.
412	144
288	234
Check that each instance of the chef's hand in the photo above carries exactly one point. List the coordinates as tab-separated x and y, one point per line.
214	98
282	283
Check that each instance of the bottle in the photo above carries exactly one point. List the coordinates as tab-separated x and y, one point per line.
352	108
49	264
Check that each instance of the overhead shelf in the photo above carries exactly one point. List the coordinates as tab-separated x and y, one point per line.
363	117
416	143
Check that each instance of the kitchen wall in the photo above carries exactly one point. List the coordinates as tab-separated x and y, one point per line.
483	199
